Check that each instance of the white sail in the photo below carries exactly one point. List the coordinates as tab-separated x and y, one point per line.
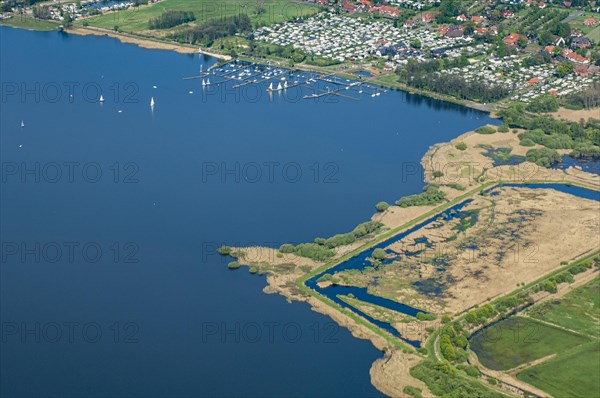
279	87
101	98
285	85
22	123
208	81
152	102
271	86
203	82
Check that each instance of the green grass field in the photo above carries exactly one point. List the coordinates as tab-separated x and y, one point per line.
517	340
136	19
573	374
24	22
579	310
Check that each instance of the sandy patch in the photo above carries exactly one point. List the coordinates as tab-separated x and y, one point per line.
576	116
148	43
391	374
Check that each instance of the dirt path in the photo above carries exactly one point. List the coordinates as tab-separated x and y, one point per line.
436	348
515	370
508	381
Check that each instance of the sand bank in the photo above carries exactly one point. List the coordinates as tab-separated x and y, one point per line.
148	43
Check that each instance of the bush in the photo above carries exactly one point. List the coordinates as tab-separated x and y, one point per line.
325	278
286	248
543	103
425	317
224	250
379	254
543	157
382	206
456	186
412	391
503	128
472	371
437	174
441	379
446	318
485	130
492	381
234	265
527	142
461	146
253	270
430	196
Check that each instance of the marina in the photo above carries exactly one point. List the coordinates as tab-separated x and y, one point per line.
238	74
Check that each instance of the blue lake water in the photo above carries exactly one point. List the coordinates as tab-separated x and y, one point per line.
110	221
588	165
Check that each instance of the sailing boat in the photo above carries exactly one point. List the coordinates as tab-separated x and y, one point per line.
203	82
101	98
152	102
22	123
285	85
208	81
270	87
279	88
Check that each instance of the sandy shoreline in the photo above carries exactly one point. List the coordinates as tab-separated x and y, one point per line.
152	44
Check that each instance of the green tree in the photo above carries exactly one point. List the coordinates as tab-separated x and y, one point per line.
564	68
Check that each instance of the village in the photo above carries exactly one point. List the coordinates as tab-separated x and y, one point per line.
499	40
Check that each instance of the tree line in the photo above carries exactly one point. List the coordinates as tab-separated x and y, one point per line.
171	18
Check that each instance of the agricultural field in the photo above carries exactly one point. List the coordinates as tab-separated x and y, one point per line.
518	340
579	310
572	374
135	19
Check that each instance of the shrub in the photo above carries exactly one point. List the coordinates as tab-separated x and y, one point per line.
485	130
543	157
324	278
425	317
382	206
437	174
527	142
224	250
503	128
253	270
412	391
472	371
234	265
543	103
461	146
379	254
430	196
287	248
456	186
446	318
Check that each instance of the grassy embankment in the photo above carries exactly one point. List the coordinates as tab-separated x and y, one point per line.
29	23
